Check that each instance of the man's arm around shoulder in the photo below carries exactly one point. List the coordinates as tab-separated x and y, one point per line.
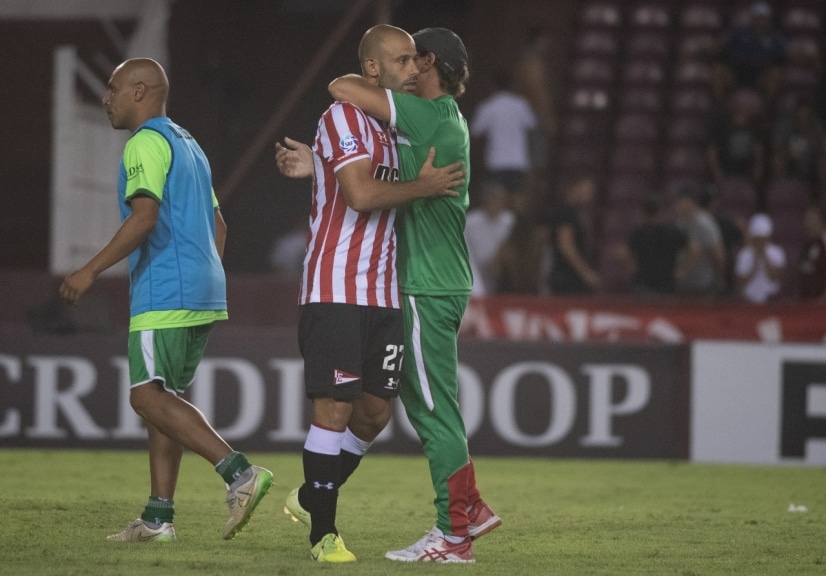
355	89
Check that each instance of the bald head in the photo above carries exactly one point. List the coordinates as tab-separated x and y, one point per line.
374	42
387	57
149	73
137	91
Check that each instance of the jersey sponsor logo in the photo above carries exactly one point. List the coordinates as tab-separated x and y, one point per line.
133	171
392	384
384	139
348	144
319	485
386	173
341	377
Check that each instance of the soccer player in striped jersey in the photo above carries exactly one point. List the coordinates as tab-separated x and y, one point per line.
435	281
351	332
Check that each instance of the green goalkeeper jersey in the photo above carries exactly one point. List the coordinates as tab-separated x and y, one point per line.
432	254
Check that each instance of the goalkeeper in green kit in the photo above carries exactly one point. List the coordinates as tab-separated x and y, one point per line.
435	278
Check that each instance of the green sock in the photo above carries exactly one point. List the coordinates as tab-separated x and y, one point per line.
232	466
158	510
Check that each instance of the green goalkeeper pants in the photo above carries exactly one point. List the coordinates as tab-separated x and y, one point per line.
429	391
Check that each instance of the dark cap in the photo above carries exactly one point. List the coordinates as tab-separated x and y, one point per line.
446	45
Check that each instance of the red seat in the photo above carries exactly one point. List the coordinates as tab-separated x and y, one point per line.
641	99
801	19
700	17
611	270
597	43
592	72
601	14
737	197
634	159
686	131
583	158
787	194
627	189
636	127
585	126
686	162
692	74
589	99
788	231
650	15
697	45
694	101
620	219
644	72
648	45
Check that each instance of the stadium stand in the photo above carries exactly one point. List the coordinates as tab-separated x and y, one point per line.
646	81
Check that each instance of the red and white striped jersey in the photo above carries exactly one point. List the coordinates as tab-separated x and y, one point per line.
351	256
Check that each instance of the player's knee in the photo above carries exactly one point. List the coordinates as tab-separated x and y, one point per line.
142	397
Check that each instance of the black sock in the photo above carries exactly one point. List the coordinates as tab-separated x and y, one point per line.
319	494
349	463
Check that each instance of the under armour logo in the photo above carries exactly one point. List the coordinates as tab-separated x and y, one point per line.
319	485
392	384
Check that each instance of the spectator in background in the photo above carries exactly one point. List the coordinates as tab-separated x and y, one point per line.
756	52
760	262
730	229
486	227
652	252
573	272
505	121
522	263
532	80
735	147
811	268
703	262
799	145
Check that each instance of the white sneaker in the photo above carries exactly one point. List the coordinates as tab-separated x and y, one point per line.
434	548
243	500
137	531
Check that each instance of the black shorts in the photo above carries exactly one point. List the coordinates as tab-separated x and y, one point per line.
349	350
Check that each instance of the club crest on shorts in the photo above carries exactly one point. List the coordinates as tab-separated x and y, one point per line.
340	377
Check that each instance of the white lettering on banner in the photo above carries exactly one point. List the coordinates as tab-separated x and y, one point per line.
49	400
10	425
250	394
471	399
61	385
602	411
664	331
577	321
291	401
574	325
130	426
503	403
476	320
521	324
612	325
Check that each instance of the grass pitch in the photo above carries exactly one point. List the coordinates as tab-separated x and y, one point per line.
560	517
